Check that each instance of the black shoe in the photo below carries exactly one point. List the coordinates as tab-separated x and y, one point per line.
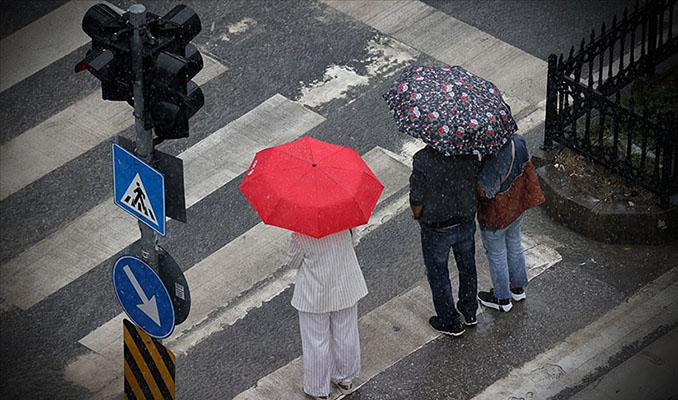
452	330
489	300
518	293
470	320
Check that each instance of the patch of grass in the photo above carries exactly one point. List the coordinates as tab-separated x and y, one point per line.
599	182
658	94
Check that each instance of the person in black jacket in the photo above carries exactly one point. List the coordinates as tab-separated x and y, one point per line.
443	199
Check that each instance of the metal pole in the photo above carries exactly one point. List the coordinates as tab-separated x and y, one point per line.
551	99
652	16
144	138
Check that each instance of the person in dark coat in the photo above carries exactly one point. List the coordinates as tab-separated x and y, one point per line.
443	200
507	187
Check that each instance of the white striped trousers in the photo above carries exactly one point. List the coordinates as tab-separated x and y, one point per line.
331	348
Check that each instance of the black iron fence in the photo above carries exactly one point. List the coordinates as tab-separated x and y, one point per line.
584	111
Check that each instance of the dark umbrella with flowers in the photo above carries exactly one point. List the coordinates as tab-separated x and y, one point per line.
451	109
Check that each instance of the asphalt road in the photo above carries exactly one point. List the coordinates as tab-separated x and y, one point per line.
289	48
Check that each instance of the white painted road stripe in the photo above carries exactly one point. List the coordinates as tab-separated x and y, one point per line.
585	351
384	57
71	133
520	76
104	230
44	41
220	284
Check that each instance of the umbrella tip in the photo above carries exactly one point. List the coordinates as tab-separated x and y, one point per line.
313	165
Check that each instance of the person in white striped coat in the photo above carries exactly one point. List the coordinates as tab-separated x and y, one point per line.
328	286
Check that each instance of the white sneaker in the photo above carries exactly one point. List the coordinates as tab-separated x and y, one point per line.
518	293
488	299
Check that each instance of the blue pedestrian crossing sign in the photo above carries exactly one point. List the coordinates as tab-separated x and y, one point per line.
143	296
139	189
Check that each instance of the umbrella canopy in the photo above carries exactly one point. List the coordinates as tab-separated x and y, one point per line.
312	187
451	109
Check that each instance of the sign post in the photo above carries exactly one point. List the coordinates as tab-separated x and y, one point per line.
153	60
137	18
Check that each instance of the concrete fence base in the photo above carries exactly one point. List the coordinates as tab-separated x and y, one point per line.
605	221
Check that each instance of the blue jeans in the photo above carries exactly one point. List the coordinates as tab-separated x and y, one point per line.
505	254
435	245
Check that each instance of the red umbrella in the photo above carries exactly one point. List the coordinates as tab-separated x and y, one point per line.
312	187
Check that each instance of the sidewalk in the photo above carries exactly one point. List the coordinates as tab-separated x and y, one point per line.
627	353
654	367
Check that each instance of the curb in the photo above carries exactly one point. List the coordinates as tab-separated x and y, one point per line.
609	222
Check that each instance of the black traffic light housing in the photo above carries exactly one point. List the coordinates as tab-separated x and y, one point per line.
169	63
172	97
109	59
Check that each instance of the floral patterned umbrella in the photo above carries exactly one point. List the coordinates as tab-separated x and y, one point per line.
453	110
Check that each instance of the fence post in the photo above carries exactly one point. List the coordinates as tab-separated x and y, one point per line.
551	102
651	35
669	173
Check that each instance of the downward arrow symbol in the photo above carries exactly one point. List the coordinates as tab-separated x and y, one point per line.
148	306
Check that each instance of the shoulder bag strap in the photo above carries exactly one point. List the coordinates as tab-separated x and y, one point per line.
513	156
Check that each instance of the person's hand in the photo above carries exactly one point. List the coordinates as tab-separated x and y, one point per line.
416	212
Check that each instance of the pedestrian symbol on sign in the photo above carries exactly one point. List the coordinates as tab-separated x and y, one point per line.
135	197
138	189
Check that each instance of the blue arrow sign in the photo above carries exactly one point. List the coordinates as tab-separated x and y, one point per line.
138	189
143	296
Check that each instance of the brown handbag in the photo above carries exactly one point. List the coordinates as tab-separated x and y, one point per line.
501	211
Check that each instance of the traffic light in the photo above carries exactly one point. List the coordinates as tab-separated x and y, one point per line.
172	98
109	59
169	62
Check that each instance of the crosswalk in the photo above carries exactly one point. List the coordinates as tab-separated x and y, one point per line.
382	345
247	272
36	46
71	133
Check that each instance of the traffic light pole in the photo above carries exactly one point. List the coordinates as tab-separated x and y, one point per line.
144	137
161	44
